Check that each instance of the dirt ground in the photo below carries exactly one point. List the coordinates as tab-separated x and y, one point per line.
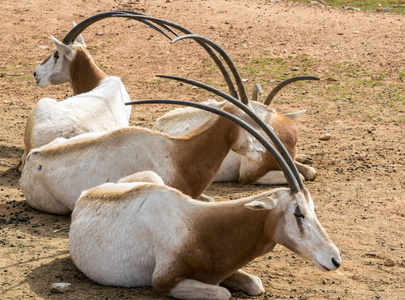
358	194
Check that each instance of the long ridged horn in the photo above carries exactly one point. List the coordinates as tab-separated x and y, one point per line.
266	144
207	48
284	83
294	181
225	56
71	36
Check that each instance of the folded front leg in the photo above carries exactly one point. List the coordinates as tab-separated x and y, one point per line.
252	285
193	289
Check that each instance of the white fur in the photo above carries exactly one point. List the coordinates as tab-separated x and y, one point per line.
101	109
143	234
55	174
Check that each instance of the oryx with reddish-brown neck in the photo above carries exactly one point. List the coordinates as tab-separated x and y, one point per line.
98	101
55	174
147	234
140	232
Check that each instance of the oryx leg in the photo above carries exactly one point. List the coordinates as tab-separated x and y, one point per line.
205	198
193	289
252	285
308	172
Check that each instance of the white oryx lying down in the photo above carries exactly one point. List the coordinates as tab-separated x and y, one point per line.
148	234
55	174
235	167
98	104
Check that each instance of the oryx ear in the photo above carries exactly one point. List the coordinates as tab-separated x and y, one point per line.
62	48
79	39
266	203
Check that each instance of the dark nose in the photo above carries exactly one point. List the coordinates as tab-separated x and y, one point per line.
335	263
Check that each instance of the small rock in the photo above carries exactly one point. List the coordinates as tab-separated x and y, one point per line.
389	262
369	178
295	69
212	27
325	137
100	33
60	287
362	155
386	9
350	8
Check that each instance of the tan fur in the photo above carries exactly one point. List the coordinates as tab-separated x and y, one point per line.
28	138
224	220
215	138
84	73
287	132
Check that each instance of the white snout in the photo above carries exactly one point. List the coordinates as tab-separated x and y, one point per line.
328	260
40	80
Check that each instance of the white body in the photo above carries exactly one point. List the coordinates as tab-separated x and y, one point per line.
55	174
101	109
98	104
235	167
147	234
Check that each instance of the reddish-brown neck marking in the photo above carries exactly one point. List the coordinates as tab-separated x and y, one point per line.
84	73
200	152
223	238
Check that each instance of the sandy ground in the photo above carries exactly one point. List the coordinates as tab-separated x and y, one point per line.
359	101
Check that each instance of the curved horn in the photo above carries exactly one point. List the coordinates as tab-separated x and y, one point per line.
71	36
292	174
284	83
207	48
228	60
276	155
257	90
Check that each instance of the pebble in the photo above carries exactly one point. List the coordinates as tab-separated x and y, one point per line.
60	287
362	155
389	262
325	137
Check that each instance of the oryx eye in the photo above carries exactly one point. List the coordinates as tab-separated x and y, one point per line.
56	55
298	213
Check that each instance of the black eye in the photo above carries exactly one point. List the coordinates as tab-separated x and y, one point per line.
56	55
298	213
